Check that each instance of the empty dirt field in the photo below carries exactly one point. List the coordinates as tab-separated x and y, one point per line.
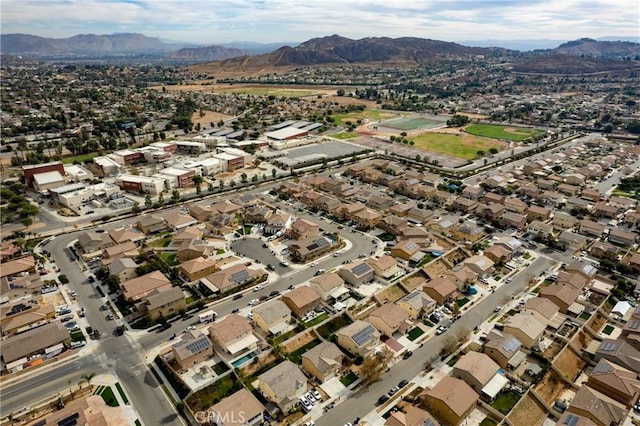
412	282
550	387
596	322
299	341
569	363
582	340
528	412
208	117
390	294
436	269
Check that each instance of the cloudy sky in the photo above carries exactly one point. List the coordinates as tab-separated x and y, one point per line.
223	21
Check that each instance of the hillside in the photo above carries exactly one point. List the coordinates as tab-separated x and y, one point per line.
567	64
206	54
599	49
83	44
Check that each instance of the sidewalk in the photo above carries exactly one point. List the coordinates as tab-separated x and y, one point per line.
111	380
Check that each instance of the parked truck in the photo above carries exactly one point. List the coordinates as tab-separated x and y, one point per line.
207	316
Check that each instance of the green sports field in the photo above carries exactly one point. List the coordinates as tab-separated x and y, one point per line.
502	132
465	147
410	123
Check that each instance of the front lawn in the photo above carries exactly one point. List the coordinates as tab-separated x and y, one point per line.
505	401
462	302
316	320
414	333
122	394
169	258
607	330
349	378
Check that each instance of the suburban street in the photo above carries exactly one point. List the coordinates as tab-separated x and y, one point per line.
363	400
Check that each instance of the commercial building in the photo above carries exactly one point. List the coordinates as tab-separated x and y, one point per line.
31	170
141	184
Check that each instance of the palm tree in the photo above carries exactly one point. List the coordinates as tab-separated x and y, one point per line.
87	377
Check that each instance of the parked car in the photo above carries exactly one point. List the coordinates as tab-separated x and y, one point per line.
384	398
407	355
254	302
235	311
316	395
403	383
393	390
71	325
313	264
441	330
110	317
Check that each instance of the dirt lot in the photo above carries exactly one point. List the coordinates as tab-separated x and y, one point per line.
569	363
208	118
550	387
250	368
553	350
390	294
414	281
299	341
528	412
436	269
582	340
596	322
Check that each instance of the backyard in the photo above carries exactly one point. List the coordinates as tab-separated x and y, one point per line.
569	363
208	396
465	147
390	294
550	387
296	356
528	412
330	327
502	132
505	400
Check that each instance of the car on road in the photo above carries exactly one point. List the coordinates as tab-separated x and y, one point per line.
320	271
110	317
403	383
172	337
190	327
74	294
254	302
507	281
285	263
274	293
384	398
235	311
313	264
497	309
258	288
248	264
336	254
91	279
407	355
271	267
237	296
441	330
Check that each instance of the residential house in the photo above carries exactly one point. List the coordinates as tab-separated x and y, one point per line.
515	205
272	317
128	249
540	229
199	267
603	250
384	266
311	248
411	416
367	219
450	400
347	210
563	295
233	334
359	338
591	194
186	234
473	192
257	214
568	239
493	198
393	224
9	250
124	268
525	328
241	408
513	220
440	289
417	304
193	249
480	264
389	319
137	288
633	261
302	300
444	226
476	369
620	352
356	273
573	419
468	231
193	348
605	210
226	207
16	286
323	361
538	213
585	269
420	216
124	234
462	276
91	241
401	210
622	203
330	286
464	205
504	349
151	224
590	228
408	250
492	211
201	213
568	190
279	222
616	382
228	279
283	385
494	181
498	254
28	313
597	407
622	238
16	349
544	310
379	202
176	220
563	220
575	179
162	303
303	229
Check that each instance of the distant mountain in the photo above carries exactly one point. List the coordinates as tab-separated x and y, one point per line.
569	64
206	54
599	49
525	45
258	48
83	45
341	50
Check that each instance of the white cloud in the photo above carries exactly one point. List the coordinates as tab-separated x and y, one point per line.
285	20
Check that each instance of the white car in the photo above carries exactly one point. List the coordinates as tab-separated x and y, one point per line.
313	264
336	254
191	327
258	288
254	302
441	330
317	395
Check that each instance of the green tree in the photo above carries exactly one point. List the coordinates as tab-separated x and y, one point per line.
161	198
175	195
273	173
87	378
147	201
221	185
63	279
254	178
136	208
243	176
197	179
374	366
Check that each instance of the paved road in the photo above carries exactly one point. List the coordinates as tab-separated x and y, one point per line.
363	400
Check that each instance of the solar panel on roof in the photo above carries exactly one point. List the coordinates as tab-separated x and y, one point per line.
608	346
571	420
429	422
363	335
240	276
511	345
360	269
601	367
322	242
411	245
198	345
634	324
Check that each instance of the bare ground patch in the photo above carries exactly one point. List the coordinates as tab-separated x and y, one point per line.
208	118
569	363
390	294
528	412
550	387
299	341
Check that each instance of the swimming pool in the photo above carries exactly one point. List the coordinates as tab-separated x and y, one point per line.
240	361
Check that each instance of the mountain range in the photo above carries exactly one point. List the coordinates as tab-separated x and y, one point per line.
332	49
